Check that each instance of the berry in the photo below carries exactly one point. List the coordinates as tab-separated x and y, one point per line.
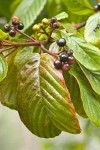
45	21
71	60
97	7
56	25
66	67
53	19
12	33
7	27
61	42
63	57
20	26
70	52
36	27
58	64
15	23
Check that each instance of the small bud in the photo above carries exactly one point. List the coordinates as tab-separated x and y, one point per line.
45	21
36	27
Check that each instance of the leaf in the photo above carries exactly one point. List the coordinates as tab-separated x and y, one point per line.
8	87
74	91
42	91
92	31
62	15
54	48
93	77
3	35
91	101
3	67
28	11
84	7
87	54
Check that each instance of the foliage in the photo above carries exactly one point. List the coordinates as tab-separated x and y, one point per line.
47	98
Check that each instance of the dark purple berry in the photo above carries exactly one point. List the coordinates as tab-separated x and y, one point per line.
70	52
7	27
53	19
20	26
15	23
56	25
71	60
58	64
97	7
12	33
61	42
66	67
63	57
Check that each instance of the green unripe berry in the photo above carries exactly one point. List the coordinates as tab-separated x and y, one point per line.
45	21
36	27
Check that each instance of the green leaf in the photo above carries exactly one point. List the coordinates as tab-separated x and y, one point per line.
92	31
87	54
28	11
93	77
91	101
43	97
8	87
7	7
79	7
8	92
74	91
3	68
62	15
3	35
54	48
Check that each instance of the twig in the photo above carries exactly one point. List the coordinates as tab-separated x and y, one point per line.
46	51
80	25
10	52
2	50
25	35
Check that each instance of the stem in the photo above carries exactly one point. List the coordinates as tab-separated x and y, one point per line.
25	35
2	50
10	52
46	51
80	25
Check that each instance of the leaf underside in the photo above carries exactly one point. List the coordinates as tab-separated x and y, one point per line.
44	102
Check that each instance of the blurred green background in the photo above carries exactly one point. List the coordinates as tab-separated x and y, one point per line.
13	134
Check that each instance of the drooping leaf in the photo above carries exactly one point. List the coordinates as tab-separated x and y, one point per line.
42	94
3	67
92	29
74	93
28	11
91	100
93	77
84	7
8	87
62	15
3	35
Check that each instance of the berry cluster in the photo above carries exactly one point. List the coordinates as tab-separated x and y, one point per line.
41	26
97	7
16	24
65	59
